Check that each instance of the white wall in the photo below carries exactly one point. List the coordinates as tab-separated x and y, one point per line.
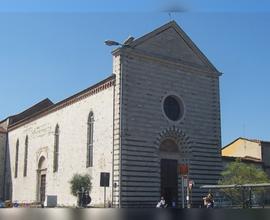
72	121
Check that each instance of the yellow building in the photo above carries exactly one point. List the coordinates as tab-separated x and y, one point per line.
250	151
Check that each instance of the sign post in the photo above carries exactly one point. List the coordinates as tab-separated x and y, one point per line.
183	192
188	206
190	185
105	182
183	170
104	196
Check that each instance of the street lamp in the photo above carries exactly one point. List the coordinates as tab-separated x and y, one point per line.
115	43
112	43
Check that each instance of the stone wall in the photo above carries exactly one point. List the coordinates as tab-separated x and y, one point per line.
72	120
148	76
116	177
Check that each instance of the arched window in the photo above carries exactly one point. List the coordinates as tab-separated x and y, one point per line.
25	157
90	132
56	149
16	159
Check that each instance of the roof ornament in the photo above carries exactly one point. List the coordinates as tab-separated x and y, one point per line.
173	8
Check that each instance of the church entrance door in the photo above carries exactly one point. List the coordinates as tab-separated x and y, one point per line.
41	180
42	189
169	182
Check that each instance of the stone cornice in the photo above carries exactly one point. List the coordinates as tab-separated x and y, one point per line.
104	84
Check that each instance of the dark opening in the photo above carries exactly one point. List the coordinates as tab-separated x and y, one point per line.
42	188
169	189
172	108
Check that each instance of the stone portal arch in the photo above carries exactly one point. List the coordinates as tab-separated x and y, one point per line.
173	148
41	179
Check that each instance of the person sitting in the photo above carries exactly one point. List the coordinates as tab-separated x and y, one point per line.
208	201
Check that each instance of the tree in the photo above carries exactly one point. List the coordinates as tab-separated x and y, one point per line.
240	173
78	181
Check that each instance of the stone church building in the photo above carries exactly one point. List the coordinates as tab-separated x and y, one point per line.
159	109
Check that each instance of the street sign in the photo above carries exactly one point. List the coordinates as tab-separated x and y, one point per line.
183	169
105	182
105	179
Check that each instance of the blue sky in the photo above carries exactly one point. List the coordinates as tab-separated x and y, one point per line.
134	6
55	49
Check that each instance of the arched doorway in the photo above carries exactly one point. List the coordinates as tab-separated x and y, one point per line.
41	179
169	156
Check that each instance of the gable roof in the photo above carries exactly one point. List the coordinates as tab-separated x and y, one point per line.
30	111
100	86
188	42
246	139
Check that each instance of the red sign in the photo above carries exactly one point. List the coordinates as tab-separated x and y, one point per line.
183	169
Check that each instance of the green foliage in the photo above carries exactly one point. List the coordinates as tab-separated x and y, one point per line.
78	181
240	173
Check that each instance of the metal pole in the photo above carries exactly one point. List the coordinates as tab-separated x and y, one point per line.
183	192
191	198
104	196
188	194
249	200
243	197
263	197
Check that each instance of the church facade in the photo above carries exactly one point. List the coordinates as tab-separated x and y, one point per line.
160	109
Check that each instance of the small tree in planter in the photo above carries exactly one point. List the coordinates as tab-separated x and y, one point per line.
79	182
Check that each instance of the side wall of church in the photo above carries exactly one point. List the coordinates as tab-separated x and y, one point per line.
72	121
146	82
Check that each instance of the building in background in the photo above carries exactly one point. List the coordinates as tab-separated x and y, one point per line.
160	109
226	160
250	151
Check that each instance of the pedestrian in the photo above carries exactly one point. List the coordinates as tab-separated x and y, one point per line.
208	201
173	204
161	203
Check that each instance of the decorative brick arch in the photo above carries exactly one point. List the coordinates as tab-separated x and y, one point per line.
179	137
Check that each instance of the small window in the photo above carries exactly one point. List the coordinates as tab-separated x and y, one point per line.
56	149
173	108
90	135
25	157
16	159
